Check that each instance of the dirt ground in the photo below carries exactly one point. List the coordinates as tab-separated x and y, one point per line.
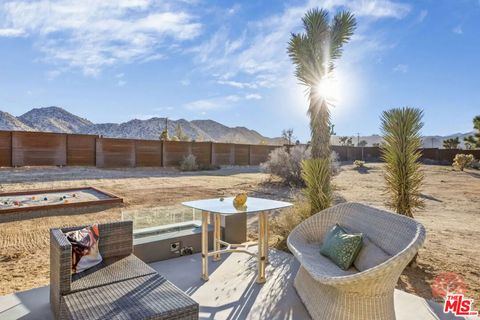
451	214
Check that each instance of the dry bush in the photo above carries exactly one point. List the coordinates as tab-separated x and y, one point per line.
286	221
462	161
189	163
358	164
287	164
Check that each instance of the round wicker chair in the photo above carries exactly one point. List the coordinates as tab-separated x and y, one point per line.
331	293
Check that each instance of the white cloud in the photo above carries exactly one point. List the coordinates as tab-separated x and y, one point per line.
401	68
259	56
214	103
11	32
458	30
253	96
93	34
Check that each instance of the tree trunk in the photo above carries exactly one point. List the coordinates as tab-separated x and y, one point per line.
319	126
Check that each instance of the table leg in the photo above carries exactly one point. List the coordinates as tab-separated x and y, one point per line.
205	245
261	247
216	237
266	238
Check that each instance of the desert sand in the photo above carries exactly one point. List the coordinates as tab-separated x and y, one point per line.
451	214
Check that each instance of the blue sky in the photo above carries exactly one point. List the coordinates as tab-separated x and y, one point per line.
111	61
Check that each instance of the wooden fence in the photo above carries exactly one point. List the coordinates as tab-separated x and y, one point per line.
20	148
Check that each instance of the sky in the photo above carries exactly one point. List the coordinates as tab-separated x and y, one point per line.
115	60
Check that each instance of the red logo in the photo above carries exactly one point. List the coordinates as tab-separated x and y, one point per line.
459	305
451	288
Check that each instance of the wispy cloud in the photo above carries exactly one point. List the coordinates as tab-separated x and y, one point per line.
11	32
400	68
421	16
258	55
93	34
458	30
253	96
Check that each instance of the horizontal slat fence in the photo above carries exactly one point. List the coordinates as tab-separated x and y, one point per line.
38	149
20	148
81	150
5	149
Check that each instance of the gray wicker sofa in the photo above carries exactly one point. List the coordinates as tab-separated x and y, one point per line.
121	287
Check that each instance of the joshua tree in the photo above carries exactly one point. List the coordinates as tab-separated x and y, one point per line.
313	53
287	135
401	134
451	143
164	134
362	143
474	141
180	134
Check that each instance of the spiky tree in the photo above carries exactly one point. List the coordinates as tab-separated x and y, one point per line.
474	141
314	53
403	176
451	143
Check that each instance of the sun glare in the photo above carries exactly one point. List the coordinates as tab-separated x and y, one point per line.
329	89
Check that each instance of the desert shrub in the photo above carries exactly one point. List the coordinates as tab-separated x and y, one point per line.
287	164
403	176
334	163
358	164
286	221
317	173
462	161
189	163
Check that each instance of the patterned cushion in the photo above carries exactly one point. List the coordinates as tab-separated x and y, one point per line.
85	252
342	248
335	229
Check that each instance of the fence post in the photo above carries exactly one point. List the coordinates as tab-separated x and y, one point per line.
249	155
211	153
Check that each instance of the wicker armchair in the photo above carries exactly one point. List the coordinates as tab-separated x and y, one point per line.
121	287
331	293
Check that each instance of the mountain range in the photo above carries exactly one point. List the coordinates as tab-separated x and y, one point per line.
55	119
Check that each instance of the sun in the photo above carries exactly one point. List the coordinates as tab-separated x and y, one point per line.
329	89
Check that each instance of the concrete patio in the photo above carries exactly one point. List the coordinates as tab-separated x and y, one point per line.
231	293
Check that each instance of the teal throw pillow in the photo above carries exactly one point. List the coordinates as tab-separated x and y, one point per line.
342	248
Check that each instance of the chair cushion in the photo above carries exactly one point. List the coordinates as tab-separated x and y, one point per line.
147	297
334	230
370	256
85	252
342	248
109	271
321	266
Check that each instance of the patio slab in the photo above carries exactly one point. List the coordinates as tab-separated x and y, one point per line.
231	293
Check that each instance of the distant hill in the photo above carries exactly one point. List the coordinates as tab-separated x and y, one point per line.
56	119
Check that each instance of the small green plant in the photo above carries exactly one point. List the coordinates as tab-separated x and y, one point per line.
462	161
316	173
189	163
358	164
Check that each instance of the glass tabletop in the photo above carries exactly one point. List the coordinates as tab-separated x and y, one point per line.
225	206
